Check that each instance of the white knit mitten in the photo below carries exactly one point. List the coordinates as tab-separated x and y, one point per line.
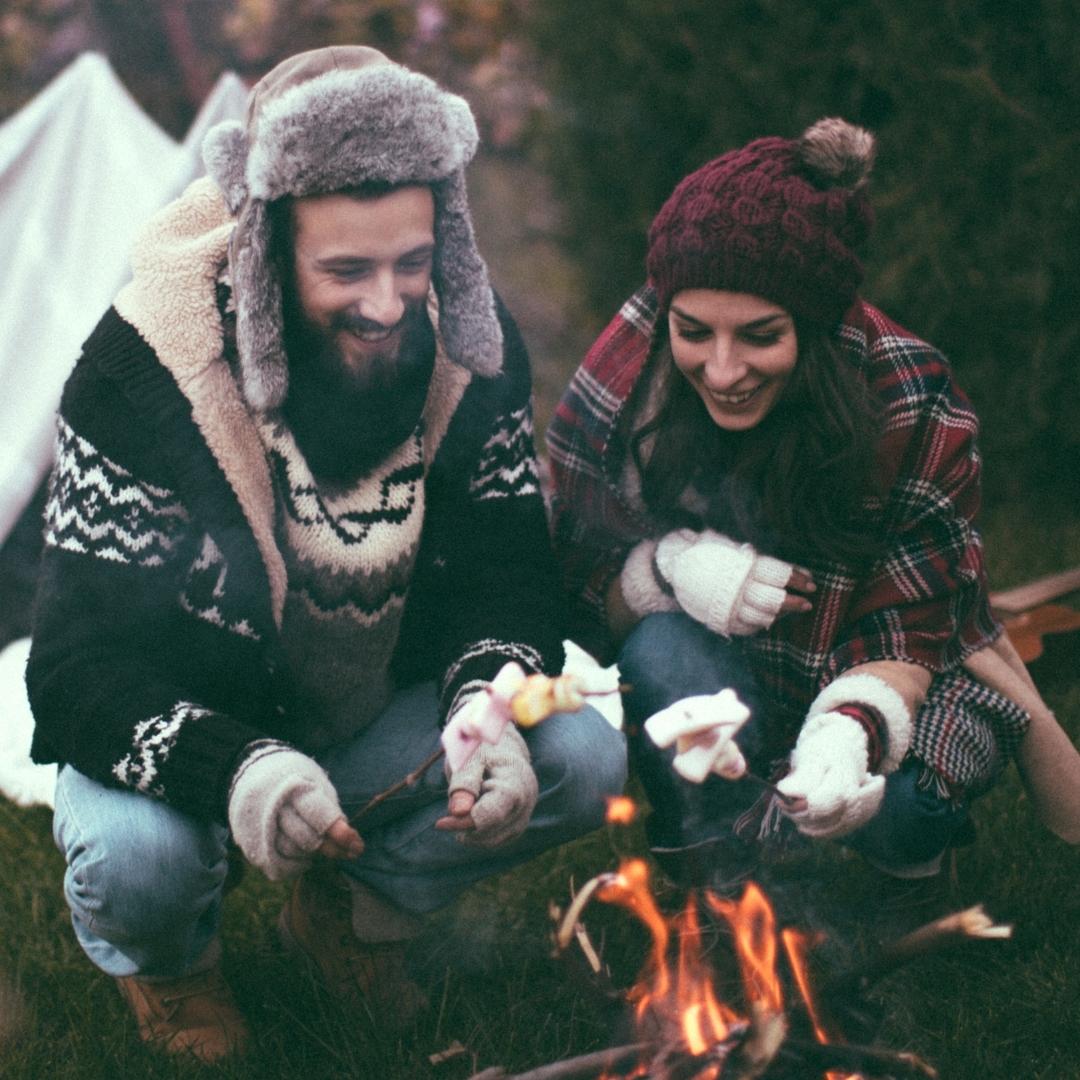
280	805
703	729
726	586
503	780
830	770
642	591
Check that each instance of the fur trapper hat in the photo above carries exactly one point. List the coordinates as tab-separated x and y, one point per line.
330	119
778	218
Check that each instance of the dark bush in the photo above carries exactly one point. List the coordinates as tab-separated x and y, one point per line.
977	110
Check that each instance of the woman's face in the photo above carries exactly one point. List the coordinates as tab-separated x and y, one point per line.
736	350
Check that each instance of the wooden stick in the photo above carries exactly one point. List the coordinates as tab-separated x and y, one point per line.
971	924
794	802
1032	593
587	1065
404	782
868	1061
565	931
418	772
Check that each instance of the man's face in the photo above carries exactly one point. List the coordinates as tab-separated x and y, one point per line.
362	270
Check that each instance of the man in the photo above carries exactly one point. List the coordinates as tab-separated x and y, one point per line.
293	525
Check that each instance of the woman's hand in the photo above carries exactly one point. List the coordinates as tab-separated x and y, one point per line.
729	587
798	589
830	771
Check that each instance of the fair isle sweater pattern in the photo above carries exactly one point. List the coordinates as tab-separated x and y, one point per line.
507	468
159	658
349	557
96	507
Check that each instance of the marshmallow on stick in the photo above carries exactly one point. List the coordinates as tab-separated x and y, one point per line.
703	729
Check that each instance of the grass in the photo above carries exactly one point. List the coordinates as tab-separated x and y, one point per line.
991	1011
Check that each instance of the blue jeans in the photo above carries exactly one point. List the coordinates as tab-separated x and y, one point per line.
144	881
668	657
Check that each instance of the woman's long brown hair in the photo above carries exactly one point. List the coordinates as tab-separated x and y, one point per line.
795	484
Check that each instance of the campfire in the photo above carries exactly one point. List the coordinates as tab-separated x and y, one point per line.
726	994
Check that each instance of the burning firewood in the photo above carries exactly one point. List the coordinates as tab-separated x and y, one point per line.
737	1058
693	1035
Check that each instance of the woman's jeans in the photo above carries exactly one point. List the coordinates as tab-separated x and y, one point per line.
144	881
668	657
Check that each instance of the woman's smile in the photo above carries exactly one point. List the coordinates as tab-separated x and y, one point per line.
736	399
726	339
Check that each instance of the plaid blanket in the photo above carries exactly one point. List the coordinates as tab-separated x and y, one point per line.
924	600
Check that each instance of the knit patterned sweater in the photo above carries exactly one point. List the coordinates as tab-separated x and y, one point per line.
170	568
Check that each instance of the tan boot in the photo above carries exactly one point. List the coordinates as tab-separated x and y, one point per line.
193	1015
369	976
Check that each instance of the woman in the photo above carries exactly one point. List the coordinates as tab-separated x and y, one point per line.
762	482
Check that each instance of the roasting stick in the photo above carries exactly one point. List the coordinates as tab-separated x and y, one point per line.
528	711
794	802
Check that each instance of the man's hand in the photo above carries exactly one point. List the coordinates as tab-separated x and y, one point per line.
493	794
459	813
341	841
283	810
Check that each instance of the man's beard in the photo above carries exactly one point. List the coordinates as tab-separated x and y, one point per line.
346	420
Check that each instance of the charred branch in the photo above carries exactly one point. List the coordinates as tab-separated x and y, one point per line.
972	924
867	1061
586	1065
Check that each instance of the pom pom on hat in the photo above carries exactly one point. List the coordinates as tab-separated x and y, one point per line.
837	153
777	218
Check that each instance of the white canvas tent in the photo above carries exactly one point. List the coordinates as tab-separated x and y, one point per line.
82	167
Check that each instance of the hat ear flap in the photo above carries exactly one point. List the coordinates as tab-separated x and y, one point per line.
468	321
264	372
224	152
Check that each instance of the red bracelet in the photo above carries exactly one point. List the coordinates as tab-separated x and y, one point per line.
873	723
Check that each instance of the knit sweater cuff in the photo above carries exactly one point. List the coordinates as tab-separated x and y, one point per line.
193	770
643	589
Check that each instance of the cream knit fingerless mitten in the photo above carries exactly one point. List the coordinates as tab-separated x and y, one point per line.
725	586
503	780
281	803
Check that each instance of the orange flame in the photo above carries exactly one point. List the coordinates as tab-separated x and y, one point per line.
620	810
754	926
705	1021
688	997
631	889
796	946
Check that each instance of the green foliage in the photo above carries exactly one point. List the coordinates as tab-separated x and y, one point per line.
976	109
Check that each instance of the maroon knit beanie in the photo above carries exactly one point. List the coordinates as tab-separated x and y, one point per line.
779	218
